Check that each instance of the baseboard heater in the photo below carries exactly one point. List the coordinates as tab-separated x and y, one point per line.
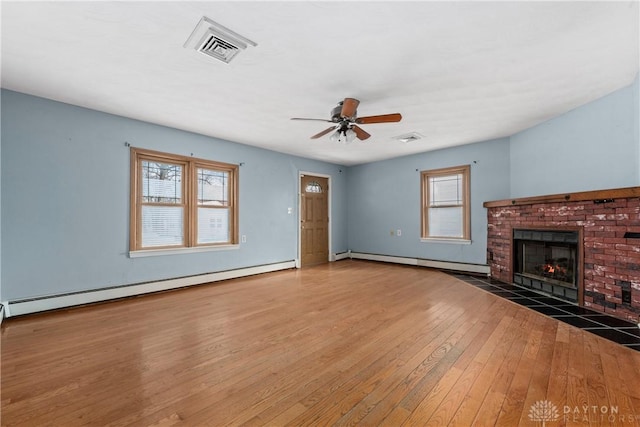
35	305
442	265
341	255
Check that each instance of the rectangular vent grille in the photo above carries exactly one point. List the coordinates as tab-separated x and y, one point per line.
409	137
216	41
218	48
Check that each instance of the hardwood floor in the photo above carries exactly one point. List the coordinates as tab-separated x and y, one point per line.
348	343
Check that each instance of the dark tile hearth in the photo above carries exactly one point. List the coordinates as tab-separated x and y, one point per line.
613	322
616	335
505	294
632	331
527	293
578	322
521	300
611	328
574	309
548	310
548	301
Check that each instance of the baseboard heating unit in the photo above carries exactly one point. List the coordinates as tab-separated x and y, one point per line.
442	265
35	305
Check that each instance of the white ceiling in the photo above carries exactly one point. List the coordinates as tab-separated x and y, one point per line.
458	72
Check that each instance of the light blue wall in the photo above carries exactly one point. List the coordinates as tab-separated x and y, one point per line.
385	196
65	200
596	146
1	299
593	147
64	204
636	118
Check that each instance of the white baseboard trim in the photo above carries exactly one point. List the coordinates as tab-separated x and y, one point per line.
443	265
343	255
456	266
21	307
384	258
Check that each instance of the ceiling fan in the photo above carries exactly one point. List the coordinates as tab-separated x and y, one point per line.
345	119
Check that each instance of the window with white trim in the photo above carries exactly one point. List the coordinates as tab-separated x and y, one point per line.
445	203
181	202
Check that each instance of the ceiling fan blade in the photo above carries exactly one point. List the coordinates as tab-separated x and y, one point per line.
316	120
360	133
324	132
349	106
384	118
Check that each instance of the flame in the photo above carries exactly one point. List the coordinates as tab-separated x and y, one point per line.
551	269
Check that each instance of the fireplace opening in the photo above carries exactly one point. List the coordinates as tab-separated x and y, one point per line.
547	261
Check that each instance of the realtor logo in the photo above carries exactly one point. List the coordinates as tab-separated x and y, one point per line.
544	411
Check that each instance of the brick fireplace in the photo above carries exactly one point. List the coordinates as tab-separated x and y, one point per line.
604	228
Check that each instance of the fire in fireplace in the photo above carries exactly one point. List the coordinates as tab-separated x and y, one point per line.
547	261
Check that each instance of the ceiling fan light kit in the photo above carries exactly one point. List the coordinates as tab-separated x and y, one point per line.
343	136
345	119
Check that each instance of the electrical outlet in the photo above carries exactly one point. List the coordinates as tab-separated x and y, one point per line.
244	238
398	232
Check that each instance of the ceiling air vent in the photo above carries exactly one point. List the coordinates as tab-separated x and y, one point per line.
216	41
409	137
216	47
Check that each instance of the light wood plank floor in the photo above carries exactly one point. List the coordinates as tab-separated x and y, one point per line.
349	343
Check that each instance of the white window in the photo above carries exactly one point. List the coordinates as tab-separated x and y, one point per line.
445	203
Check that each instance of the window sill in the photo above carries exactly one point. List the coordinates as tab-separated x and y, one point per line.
445	240
180	251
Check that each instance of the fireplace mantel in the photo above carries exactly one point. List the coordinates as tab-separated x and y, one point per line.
608	220
617	193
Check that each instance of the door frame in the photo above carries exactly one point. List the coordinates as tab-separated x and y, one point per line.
299	216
